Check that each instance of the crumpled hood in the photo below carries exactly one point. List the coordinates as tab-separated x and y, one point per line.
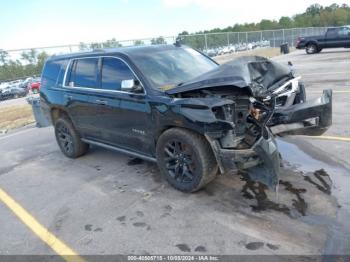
257	73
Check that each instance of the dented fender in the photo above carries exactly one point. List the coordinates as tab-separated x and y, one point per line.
200	110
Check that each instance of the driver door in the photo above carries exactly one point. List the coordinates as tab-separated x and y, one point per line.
122	118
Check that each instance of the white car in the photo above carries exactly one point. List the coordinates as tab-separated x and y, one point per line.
4	85
15	83
232	49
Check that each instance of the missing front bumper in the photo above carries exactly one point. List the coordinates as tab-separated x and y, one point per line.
261	161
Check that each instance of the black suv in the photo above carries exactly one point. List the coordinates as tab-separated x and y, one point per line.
175	106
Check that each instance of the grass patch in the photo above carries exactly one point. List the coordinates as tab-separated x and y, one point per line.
15	116
266	52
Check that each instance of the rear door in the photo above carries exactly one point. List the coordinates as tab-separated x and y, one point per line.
81	79
123	118
332	37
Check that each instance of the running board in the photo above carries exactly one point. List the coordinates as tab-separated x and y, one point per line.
120	150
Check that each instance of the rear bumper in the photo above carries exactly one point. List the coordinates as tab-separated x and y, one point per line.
300	45
313	117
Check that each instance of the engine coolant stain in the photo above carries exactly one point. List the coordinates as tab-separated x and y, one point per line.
320	175
299	203
256	190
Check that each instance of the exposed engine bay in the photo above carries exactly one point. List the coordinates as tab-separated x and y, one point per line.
247	115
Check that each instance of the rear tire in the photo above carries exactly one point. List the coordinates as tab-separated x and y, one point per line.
311	49
185	159
68	139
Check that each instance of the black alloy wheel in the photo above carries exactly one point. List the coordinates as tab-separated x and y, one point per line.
185	159
180	162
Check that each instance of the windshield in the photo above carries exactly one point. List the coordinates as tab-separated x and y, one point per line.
166	69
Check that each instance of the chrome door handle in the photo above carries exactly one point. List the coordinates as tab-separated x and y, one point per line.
101	102
68	97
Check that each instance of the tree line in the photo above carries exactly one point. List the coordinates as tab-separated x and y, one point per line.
315	15
29	64
113	43
32	61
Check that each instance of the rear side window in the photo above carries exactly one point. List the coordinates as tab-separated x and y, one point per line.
51	72
84	73
114	71
64	64
344	31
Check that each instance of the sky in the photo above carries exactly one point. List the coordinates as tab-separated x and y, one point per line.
38	23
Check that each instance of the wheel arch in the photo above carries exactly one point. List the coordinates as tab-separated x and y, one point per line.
57	112
313	42
196	131
162	129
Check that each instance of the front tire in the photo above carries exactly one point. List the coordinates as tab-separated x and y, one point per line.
185	159
68	139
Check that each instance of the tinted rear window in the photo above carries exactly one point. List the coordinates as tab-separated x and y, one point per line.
84	73
51	72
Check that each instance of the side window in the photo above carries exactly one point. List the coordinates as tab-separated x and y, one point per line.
62	71
332	33
51	72
114	71
344	31
84	73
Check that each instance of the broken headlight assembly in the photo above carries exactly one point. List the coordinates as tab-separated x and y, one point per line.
286	94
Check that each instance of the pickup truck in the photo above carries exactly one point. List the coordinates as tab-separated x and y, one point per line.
335	37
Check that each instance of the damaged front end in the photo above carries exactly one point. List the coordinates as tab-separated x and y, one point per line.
254	99
250	145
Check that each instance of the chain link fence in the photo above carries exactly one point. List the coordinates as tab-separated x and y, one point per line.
235	41
239	41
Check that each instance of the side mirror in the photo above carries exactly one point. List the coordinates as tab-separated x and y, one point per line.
131	85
